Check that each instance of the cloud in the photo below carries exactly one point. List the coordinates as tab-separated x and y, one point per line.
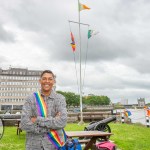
6	36
3	59
36	34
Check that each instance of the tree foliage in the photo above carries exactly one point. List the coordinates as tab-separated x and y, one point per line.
73	99
96	100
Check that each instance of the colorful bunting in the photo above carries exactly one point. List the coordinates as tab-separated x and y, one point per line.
73	43
82	7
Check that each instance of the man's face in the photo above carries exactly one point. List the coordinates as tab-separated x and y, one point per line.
47	81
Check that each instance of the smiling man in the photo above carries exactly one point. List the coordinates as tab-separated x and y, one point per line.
43	111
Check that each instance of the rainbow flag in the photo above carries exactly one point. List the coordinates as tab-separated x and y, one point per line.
127	113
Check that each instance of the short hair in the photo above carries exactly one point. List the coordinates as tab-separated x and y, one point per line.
47	71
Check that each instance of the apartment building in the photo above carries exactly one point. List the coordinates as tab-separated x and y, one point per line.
15	85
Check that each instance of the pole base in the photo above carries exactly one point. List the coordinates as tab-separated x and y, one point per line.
81	123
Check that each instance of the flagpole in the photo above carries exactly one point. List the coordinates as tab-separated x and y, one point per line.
80	56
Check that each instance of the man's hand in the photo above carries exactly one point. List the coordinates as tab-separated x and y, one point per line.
33	119
58	114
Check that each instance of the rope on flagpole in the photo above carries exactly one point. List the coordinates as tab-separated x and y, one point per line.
87	47
86	53
75	62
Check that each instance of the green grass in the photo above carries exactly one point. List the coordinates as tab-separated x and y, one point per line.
125	136
131	137
10	140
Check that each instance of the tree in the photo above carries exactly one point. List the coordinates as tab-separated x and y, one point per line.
71	98
96	100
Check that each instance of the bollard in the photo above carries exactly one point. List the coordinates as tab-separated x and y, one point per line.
122	117
147	121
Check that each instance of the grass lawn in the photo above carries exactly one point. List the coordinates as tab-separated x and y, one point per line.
125	136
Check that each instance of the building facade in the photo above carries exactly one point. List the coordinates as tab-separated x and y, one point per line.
15	85
141	102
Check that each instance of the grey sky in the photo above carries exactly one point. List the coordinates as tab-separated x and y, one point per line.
35	34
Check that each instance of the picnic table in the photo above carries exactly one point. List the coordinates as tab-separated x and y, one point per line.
17	123
18	126
93	136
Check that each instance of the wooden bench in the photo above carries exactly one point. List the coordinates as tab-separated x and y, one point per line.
84	141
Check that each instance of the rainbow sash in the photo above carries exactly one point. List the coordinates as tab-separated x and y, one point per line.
42	111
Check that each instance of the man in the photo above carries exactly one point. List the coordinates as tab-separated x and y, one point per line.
37	127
